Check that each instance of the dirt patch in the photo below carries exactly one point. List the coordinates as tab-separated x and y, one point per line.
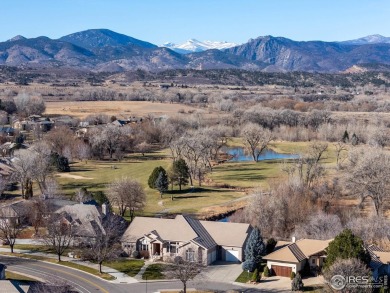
71	176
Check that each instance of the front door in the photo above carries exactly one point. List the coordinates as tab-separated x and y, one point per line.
156	248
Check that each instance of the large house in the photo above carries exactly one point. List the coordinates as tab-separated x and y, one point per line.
294	256
85	219
202	241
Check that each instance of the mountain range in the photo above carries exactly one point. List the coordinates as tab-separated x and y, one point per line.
105	50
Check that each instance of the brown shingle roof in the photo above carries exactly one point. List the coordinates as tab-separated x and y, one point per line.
298	251
176	229
227	233
204	233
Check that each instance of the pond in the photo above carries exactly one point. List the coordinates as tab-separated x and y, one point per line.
240	155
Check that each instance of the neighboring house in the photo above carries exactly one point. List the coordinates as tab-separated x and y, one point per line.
14	212
294	256
7	131
119	123
135	120
33	122
203	241
380	261
7	149
85	220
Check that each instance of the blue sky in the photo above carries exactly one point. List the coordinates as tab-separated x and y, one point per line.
159	21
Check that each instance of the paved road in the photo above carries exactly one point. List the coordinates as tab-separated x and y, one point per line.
82	282
86	283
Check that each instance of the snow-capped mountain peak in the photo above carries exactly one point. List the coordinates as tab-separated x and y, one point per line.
193	45
371	39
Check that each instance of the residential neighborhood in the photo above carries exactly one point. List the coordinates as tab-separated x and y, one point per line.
253	157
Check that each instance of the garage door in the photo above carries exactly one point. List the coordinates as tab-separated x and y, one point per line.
281	271
232	255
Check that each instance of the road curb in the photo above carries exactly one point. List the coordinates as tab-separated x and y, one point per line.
48	262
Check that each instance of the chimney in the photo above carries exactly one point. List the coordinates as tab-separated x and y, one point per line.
105	209
293	239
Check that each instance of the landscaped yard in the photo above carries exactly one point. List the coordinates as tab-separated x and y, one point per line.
131	267
154	272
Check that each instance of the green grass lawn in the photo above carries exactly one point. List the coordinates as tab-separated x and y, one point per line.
244	277
36	248
131	267
154	272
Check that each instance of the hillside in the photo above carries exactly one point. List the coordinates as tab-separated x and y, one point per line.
104	50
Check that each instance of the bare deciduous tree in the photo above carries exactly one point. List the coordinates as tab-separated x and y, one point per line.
349	267
319	226
126	193
183	269
106	245
368	176
340	147
372	230
59	234
27	105
23	163
256	139
308	168
10	228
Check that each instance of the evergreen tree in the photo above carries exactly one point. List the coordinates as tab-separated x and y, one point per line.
344	246
345	136
61	163
180	172
153	177
162	183
271	243
256	276
254	250
100	197
266	272
354	139
297	284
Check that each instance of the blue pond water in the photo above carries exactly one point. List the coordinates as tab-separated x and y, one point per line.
240	155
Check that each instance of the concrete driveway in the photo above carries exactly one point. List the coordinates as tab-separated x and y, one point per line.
225	272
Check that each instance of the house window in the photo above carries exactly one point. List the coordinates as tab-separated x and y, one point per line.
313	261
172	247
144	247
190	255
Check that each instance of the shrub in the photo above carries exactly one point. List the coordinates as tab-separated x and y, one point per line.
255	276
297	284
266	272
135	254
292	276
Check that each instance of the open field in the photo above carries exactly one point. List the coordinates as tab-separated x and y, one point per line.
120	109
212	196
